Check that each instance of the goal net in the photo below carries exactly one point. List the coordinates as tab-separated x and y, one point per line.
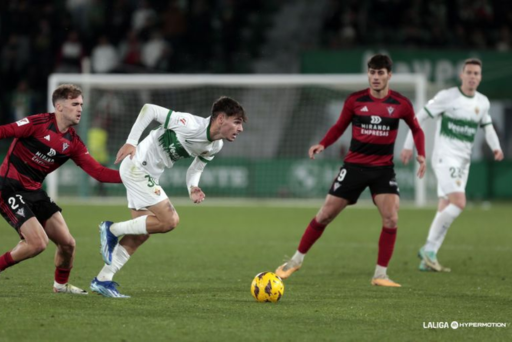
286	115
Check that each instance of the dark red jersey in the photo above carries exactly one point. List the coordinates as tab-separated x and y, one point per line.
39	148
374	127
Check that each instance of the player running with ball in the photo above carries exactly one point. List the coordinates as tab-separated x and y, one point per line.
181	135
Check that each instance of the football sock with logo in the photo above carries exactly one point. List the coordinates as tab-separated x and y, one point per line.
137	226
120	257
386	245
61	276
439	227
6	261
312	233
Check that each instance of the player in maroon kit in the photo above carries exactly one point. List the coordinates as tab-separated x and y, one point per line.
374	114
42	143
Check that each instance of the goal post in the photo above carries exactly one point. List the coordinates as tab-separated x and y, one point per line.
286	114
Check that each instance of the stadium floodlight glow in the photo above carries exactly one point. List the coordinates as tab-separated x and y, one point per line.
286	114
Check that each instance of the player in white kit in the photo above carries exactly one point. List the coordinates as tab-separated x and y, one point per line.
181	135
458	112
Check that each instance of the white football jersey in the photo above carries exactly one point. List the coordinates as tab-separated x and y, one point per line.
181	135
458	117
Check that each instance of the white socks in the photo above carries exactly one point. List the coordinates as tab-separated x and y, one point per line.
137	226
120	257
298	257
380	272
439	227
59	286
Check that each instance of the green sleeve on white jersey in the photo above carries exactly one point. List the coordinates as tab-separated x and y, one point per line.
205	159
209	157
168	118
486	120
148	114
439	104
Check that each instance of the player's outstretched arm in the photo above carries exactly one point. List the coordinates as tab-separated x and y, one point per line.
196	194
423	166
315	149
94	169
124	151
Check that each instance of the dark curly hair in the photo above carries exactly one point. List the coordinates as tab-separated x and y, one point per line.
380	62
228	106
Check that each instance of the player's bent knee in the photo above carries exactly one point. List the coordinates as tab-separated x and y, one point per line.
325	217
324	220
142	238
171	224
390	221
68	247
460	204
38	246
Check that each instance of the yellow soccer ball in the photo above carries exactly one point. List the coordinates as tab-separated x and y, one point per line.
267	287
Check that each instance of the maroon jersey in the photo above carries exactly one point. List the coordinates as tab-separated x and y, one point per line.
374	127
39	148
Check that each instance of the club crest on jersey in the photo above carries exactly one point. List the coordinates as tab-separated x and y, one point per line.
21	212
336	186
157	191
477	110
65	147
458	182
52	152
391	110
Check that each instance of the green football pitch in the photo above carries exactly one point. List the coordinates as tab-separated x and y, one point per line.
193	284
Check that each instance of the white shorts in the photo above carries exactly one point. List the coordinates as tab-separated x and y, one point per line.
452	175
142	190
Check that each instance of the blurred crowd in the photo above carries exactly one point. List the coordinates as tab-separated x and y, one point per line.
39	37
439	24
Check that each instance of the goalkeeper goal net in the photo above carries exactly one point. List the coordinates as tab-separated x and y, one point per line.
286	115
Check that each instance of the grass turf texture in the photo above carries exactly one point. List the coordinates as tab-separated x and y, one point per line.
193	284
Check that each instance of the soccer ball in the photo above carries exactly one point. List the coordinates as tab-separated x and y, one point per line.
267	287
